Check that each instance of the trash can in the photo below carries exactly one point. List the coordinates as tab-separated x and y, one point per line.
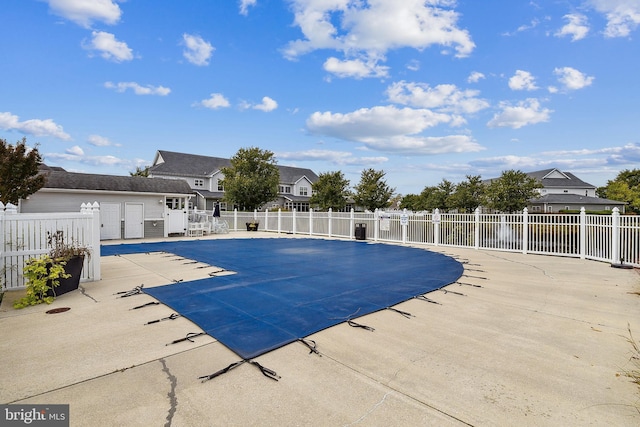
361	232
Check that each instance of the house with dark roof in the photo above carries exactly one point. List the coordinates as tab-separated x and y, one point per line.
204	176
562	191
130	206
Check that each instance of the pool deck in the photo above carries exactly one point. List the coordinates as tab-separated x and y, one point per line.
520	340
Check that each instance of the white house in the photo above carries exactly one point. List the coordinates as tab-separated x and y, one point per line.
204	176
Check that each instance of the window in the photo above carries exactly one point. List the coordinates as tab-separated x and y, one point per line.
303	191
198	182
220	185
285	189
536	208
566	191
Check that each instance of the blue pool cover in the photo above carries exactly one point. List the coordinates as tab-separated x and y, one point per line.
287	289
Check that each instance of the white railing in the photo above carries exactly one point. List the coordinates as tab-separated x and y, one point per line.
23	236
611	238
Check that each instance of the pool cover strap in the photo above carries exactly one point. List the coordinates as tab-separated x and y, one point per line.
311	345
358	325
171	317
187	338
135	291
271	374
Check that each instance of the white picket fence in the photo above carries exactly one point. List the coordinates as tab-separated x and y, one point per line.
23	236
611	238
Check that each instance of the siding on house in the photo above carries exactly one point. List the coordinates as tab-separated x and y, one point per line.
203	173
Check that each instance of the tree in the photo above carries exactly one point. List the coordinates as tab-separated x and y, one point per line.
438	196
330	191
625	188
373	192
19	175
512	191
252	179
144	172
412	202
468	194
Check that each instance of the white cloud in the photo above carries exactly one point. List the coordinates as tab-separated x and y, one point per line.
75	151
475	77
522	80
573	79
390	129
244	6
370	29
356	68
335	157
215	101
101	141
525	113
138	89
197	51
623	16
109	48
444	98
84	12
34	127
267	105
577	27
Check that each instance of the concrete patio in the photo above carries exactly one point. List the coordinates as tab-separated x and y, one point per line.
519	340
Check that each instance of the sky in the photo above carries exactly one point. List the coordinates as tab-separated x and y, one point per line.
423	90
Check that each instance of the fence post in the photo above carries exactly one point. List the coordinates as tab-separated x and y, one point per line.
352	221
266	219
293	218
279	220
476	229
310	221
435	218
329	229
235	219
95	256
404	223
583	233
525	230
376	224
615	236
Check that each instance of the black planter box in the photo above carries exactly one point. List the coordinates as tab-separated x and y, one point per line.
73	267
252	226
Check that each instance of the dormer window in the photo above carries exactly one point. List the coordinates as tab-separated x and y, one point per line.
198	182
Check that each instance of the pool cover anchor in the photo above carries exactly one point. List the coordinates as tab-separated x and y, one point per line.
311	345
358	325
468	284
423	298
403	313
171	317
271	374
189	337
145	305
135	291
453	292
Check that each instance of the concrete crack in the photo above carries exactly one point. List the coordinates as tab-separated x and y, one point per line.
370	410
83	291
173	400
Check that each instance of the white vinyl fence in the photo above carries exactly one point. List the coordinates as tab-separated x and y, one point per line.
611	238
23	236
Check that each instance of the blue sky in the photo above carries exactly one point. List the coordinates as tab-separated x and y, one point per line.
423	90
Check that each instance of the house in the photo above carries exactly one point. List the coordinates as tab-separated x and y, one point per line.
130	206
204	176
562	191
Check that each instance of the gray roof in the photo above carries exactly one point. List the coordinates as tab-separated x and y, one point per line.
138	184
194	165
571	181
574	199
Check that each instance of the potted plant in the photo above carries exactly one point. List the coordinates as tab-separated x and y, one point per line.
55	273
253	225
